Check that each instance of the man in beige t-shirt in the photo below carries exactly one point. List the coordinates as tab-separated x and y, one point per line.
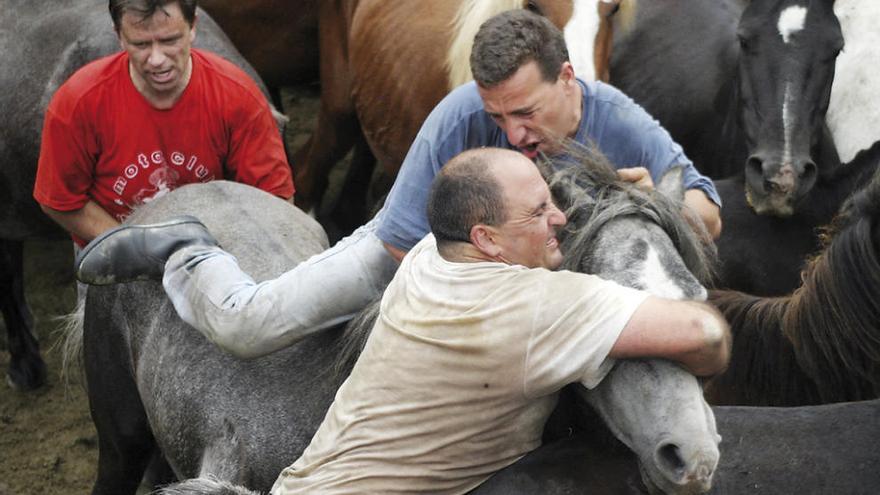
475	336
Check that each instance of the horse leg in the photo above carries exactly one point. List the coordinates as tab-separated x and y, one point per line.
351	210
337	126
125	442
27	370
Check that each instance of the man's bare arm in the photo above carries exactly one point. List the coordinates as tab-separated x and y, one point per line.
395	253
706	209
691	333
86	223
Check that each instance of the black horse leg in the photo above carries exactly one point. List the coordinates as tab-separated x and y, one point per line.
351	209
27	370
125	441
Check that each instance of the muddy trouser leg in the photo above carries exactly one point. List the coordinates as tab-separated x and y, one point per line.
211	293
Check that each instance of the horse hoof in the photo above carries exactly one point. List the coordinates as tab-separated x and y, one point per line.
27	379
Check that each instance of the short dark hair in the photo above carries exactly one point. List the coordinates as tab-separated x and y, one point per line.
464	194
146	8
512	39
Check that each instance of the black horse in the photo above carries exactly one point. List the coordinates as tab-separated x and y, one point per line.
810	450
822	343
41	45
748	99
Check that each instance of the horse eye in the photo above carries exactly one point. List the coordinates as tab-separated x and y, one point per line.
534	7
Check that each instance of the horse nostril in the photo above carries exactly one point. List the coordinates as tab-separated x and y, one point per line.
810	171
755	166
670	460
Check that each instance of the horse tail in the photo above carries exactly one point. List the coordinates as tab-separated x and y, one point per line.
208	485
464	26
71	329
355	338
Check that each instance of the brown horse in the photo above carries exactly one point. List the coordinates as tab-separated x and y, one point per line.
384	65
278	37
822	343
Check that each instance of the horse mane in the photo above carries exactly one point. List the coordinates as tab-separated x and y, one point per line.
833	317
586	187
470	16
824	343
354	338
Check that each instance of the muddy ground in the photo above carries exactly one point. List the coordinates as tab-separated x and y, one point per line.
47	441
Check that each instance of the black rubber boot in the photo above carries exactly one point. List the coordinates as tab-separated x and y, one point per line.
138	252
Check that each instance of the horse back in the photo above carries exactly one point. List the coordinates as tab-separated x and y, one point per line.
208	411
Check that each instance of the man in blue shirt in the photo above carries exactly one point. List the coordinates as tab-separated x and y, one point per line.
526	97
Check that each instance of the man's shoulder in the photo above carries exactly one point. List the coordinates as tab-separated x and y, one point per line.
88	80
603	96
459	120
220	71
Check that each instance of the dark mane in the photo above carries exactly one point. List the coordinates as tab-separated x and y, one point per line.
822	343
354	338
586	187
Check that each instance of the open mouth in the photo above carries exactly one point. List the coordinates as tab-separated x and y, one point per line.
163	76
530	150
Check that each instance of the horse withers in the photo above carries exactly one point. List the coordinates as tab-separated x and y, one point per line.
46	42
156	385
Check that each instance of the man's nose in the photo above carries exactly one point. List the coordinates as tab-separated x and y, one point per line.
516	132
156	56
557	216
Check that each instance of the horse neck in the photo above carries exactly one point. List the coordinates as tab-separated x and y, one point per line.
764	369
822	203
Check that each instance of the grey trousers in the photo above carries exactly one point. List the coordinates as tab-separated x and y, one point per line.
249	319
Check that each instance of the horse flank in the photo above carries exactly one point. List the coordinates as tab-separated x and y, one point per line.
819	344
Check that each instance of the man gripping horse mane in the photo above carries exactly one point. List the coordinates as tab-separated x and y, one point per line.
526	98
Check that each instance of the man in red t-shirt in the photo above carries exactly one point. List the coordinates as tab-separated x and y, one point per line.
127	128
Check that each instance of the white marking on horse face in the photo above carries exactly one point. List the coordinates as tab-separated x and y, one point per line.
787	125
852	116
580	37
656	280
791	20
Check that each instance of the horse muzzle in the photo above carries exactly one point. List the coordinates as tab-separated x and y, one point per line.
774	187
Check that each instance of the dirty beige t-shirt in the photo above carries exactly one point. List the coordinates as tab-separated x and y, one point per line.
459	375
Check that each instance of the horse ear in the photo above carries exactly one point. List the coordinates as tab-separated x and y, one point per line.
671	184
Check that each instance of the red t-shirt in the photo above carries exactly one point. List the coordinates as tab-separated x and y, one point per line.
103	141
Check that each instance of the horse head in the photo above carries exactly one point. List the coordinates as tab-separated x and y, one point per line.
640	239
786	68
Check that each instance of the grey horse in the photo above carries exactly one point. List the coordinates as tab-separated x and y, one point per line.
156	385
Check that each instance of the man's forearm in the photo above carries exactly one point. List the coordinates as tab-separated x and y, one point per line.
86	223
706	210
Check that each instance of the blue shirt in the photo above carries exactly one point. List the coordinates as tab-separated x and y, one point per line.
622	130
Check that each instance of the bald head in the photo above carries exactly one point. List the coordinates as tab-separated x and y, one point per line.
469	191
465	193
